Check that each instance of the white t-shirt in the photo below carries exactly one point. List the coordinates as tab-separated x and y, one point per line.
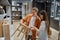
31	24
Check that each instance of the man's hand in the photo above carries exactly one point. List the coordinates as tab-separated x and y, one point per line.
20	22
24	25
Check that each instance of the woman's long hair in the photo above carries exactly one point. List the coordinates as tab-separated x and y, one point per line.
45	18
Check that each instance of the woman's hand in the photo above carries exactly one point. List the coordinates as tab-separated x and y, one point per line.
32	29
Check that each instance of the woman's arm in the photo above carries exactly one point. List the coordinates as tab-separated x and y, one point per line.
36	29
42	26
32	28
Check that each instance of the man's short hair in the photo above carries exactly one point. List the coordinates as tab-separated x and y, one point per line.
34	8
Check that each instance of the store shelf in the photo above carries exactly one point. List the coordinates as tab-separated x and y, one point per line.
16	5
51	16
56	18
16	10
15	15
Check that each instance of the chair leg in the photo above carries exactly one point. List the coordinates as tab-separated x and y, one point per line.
20	32
16	30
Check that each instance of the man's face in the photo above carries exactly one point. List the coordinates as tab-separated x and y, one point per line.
34	12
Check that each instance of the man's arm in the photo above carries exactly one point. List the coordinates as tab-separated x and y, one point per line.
24	19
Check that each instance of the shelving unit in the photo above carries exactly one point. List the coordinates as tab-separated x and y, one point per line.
52	9
16	10
16	15
55	9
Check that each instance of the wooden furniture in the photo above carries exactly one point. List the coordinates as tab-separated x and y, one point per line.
1	32
6	31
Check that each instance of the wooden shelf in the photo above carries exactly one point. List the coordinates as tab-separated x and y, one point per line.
16	5
18	15
16	11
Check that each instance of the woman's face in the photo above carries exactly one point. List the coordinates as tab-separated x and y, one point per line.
41	16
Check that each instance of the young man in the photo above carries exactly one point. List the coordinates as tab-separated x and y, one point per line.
32	20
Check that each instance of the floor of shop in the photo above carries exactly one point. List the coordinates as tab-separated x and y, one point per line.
54	35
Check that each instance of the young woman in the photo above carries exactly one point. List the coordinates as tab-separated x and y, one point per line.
42	31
